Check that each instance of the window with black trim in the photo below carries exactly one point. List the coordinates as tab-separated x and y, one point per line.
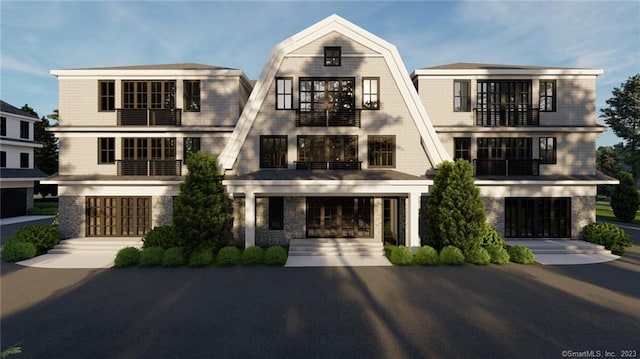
3	159
24	160
190	146
107	95
382	151
462	148
3	126
370	93
276	213
24	129
548	150
332	56
148	94
106	150
461	95
273	151
284	93
547	95
192	95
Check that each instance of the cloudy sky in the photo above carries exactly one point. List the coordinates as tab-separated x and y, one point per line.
40	36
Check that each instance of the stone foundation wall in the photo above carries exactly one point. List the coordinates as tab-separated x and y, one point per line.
161	210
237	225
71	211
295	218
264	236
494	208
583	212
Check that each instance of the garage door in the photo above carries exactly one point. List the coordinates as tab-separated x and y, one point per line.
118	216
14	202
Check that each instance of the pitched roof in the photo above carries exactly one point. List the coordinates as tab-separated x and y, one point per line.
25	173
480	66
466	68
8	108
178	66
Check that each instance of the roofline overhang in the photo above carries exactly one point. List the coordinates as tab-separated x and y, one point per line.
507	72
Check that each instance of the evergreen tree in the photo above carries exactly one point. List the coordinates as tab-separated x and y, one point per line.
625	199
202	210
455	212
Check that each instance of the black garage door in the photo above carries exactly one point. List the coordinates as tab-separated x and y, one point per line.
14	202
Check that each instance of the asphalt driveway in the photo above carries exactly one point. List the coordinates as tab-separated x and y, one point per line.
511	311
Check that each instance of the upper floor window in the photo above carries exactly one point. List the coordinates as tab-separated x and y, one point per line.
284	93
191	145
107	95
505	103
24	129
148	94
382	151
547	95
462	148
273	151
332	56
106	150
548	150
3	159
461	95
192	95
315	152
3	126
24	160
370	93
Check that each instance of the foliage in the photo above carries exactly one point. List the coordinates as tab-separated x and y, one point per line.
491	236
479	256
11	351
15	251
201	257
625	200
427	256
401	256
46	157
275	256
174	257
252	256
521	254
497	253
202	210
161	236
228	256
452	256
42	236
455	213
609	235
127	257
151	257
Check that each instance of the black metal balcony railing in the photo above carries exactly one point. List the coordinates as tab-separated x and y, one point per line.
328	118
507	116
333	165
149	117
149	167
529	167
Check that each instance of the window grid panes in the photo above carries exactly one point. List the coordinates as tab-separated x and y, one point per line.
382	151
548	150
191	145
148	94
462	148
370	93
106	150
461	96
24	129
273	151
547	95
107	95
192	95
332	56
284	93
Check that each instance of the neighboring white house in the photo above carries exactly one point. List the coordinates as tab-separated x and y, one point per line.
17	168
332	141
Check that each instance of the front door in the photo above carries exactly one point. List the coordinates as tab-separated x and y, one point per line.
118	216
339	217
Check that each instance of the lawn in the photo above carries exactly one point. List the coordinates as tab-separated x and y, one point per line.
44	207
605	212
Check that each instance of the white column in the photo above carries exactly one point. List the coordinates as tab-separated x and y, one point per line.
249	219
413	220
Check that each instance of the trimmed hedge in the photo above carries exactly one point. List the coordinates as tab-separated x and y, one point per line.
200	258
127	257
401	256
151	257
174	257
16	251
452	256
275	256
228	256
491	236
161	236
498	254
252	256
609	235
478	256
521	254
43	237
427	256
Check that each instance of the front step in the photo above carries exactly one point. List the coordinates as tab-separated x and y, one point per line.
542	246
336	247
95	245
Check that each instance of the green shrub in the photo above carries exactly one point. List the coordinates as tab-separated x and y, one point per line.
151	257
491	236
201	258
228	256
625	200
43	237
161	236
252	256
42	211
427	256
127	257
174	257
275	256
401	256
609	235
478	256
452	256
15	251
521	254
498	254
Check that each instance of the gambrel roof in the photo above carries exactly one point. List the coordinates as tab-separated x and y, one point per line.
334	23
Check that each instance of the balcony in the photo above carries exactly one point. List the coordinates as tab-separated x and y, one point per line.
506	167
149	117
149	167
328	118
506	116
333	165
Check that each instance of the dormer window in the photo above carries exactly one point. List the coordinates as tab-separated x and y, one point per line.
332	56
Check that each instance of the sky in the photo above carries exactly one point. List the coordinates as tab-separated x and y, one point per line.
37	37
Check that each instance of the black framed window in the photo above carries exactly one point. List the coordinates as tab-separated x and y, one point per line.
284	93
276	213
3	159
327	148
547	95
496	148
24	160
106	150
190	146
545	217
273	151
326	94
548	150
192	95
3	126
462	148
382	151
332	56
107	95
371	93
461	95
24	129
347	217
148	94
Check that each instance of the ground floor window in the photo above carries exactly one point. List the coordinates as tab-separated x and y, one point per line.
537	217
346	217
118	216
276	213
